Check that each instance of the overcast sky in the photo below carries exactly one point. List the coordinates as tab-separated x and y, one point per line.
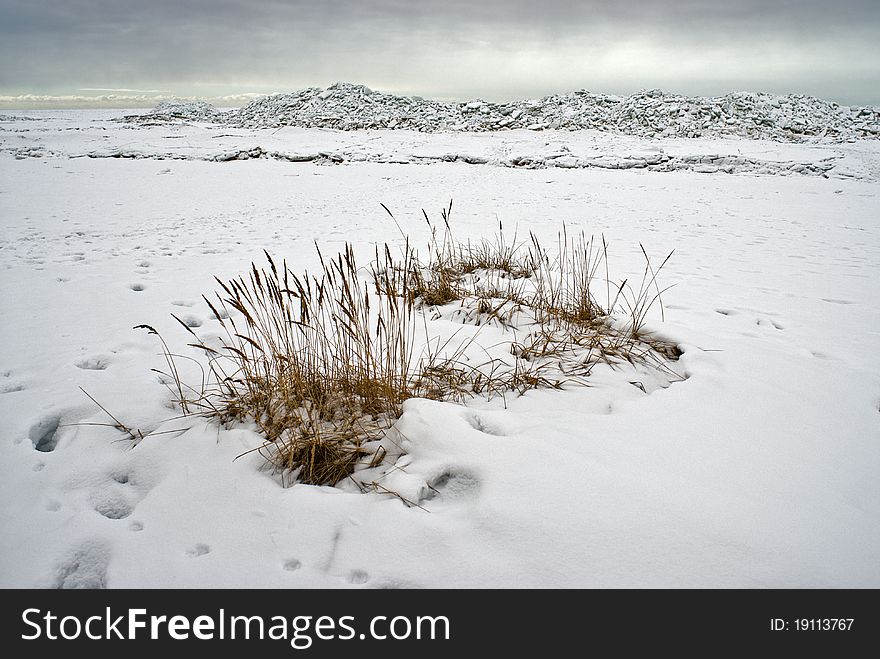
494	49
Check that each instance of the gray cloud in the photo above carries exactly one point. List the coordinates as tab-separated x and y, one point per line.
491	48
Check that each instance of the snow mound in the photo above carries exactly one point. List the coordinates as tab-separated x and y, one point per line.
651	113
187	110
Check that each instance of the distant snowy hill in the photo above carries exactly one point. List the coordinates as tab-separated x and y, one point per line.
650	113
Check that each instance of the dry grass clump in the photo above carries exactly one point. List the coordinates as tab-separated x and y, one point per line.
572	313
322	362
448	272
317	361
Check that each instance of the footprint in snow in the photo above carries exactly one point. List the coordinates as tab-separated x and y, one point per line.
137	287
11	387
763	322
192	321
96	363
44	434
450	485
199	549
484	426
122	477
291	565
120	493
84	566
396	584
358	577
112	504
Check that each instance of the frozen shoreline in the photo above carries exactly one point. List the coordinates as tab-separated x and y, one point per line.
82	133
756	471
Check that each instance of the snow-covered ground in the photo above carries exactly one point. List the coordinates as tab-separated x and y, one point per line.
759	469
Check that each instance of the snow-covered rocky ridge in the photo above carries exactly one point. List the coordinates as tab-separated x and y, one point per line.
651	113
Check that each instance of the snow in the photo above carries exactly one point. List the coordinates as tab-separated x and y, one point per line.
648	113
757	469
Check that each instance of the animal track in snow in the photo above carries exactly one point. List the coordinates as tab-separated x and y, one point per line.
395	584
761	322
9	386
292	564
121	477
191	321
44	433
84	566
451	484
358	577
199	549
112	504
482	425
182	303
118	495
137	287
97	363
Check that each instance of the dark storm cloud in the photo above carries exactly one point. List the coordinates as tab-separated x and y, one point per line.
511	47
